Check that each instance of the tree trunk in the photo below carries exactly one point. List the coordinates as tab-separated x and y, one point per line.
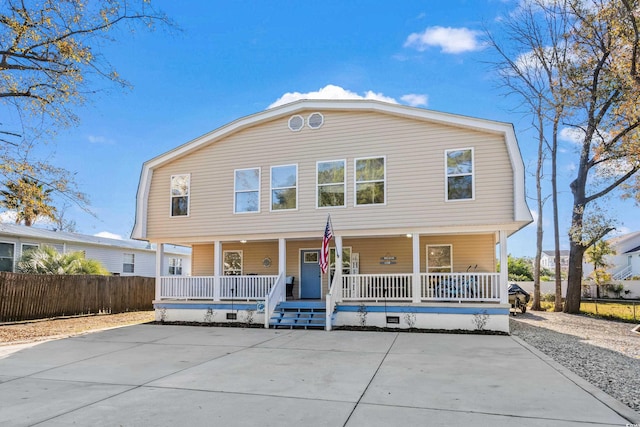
574	281
557	306
539	230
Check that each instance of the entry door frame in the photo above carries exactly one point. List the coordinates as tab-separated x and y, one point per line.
300	262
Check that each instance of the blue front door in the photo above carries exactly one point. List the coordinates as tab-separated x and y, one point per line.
310	285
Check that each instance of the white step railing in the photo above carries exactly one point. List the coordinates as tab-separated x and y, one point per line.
623	273
377	287
460	286
333	297
276	294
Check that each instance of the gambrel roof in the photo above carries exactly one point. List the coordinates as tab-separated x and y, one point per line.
520	209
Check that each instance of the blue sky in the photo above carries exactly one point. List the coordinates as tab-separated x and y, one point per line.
232	59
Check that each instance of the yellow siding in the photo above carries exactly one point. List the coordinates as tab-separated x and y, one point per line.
414	153
468	250
202	260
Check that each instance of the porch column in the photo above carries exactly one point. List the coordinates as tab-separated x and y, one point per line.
504	269
282	256
217	269
417	286
159	268
339	265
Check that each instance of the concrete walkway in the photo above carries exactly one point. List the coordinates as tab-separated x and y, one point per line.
152	375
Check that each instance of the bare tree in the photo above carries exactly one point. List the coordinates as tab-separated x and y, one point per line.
533	57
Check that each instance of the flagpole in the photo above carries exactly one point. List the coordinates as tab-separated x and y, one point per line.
338	255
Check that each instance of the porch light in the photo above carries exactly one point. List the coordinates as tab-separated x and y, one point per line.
243	241
409	235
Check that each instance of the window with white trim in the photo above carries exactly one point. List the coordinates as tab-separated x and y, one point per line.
370	179
439	258
246	190
284	187
128	263
180	194
232	263
459	171
331	183
175	266
7	253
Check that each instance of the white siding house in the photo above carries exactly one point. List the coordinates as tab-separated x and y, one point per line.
625	264
120	257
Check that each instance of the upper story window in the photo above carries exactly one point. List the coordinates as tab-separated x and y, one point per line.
232	263
284	187
175	266
247	190
459	170
370	181
7	251
128	263
331	183
439	259
180	195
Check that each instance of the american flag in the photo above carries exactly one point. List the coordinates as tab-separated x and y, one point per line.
324	253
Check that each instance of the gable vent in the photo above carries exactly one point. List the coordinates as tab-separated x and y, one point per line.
315	120
296	123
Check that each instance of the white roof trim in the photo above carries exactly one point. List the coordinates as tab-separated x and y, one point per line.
521	211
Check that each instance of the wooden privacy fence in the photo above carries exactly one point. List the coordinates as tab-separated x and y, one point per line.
39	296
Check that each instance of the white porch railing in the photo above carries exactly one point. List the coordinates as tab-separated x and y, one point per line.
460	286
433	287
347	287
184	287
377	287
204	287
245	287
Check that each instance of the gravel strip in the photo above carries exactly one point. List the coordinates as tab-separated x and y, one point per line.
46	329
603	352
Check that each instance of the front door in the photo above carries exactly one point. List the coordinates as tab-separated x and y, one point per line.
310	283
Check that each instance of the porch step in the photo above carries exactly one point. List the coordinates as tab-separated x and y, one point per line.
299	314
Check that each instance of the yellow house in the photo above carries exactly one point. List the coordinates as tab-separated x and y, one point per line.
419	202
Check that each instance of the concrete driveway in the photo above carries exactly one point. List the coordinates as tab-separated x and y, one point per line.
165	375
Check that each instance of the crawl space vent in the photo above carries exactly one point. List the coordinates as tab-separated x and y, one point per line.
296	123
315	120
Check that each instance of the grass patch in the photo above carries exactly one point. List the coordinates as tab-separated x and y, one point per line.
606	310
627	312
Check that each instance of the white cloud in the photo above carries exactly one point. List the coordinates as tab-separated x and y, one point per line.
415	99
574	135
450	40
8	217
11	216
98	139
108	235
330	92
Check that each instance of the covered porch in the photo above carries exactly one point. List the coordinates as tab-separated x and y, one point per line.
394	272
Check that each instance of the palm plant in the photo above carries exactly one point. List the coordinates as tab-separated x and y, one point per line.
47	260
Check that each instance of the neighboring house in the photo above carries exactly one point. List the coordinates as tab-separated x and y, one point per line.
418	201
548	260
625	264
120	257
